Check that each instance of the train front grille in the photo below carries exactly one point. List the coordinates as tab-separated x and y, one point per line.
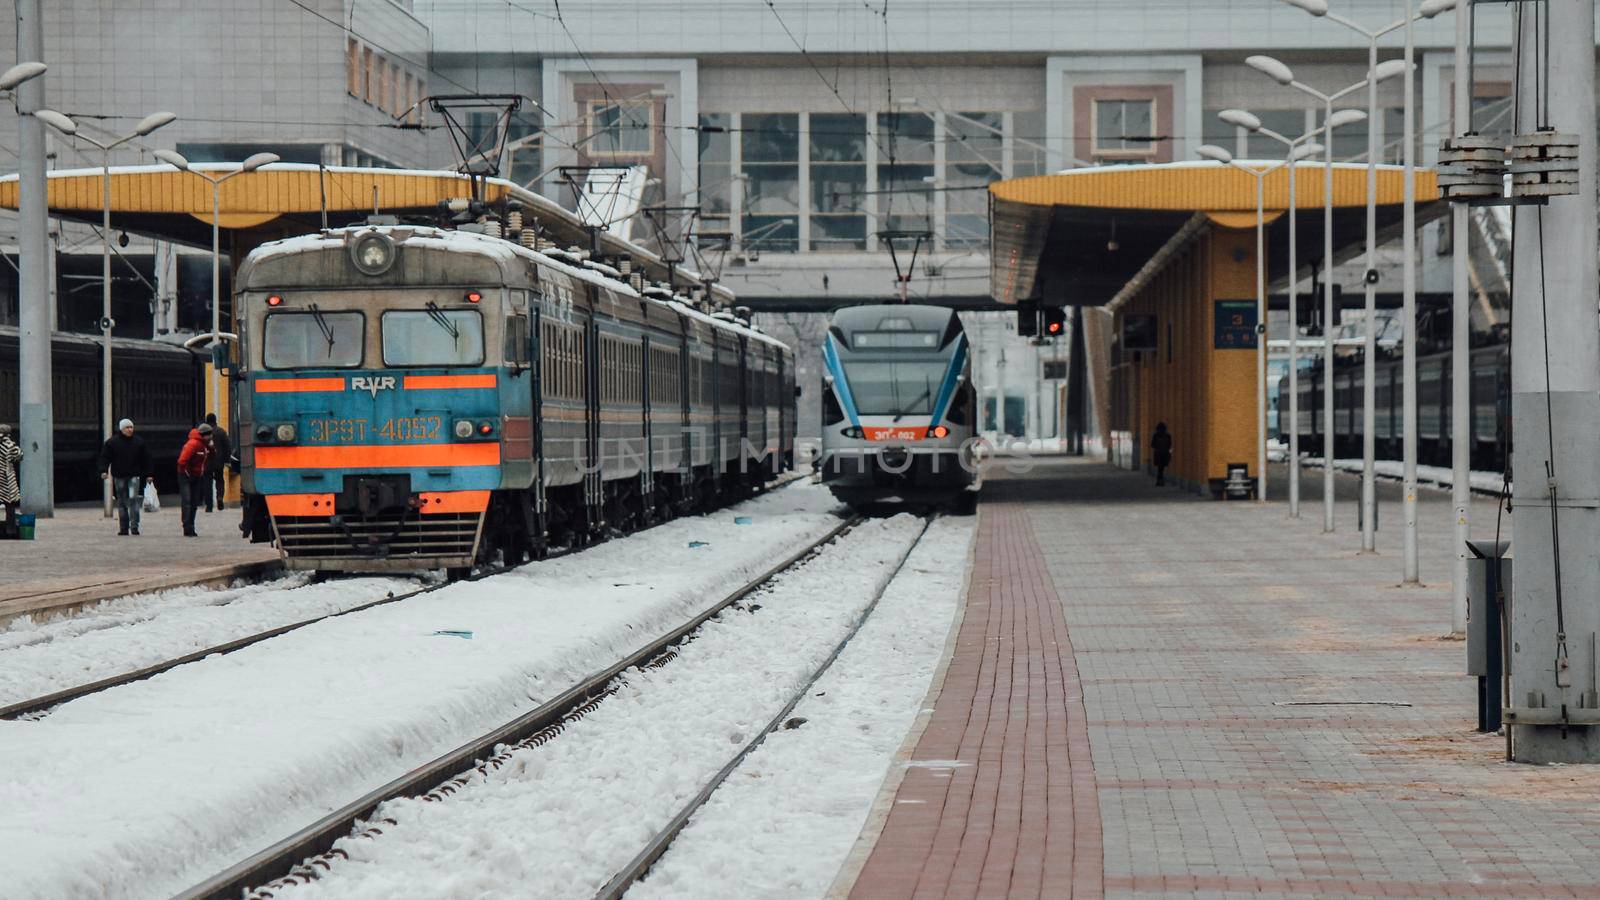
442	535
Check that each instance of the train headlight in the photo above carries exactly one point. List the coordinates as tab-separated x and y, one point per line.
286	432
463	429
373	253
940	431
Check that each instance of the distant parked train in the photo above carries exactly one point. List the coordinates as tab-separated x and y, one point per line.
1490	400
155	384
897	406
416	398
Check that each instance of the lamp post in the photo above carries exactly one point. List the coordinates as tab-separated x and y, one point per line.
1213	152
1251	123
35	426
1283	75
68	127
1369	495
252	163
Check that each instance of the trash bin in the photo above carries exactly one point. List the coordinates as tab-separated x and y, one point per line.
25	526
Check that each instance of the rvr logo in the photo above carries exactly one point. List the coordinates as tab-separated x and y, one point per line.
372	384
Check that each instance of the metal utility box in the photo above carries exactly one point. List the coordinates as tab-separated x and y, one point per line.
1483	618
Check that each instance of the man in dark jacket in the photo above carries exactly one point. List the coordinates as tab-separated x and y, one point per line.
126	461
217	466
192	477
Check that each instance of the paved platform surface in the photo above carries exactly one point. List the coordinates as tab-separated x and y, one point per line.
79	548
1156	695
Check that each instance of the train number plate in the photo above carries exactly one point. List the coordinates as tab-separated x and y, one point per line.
399	430
894	433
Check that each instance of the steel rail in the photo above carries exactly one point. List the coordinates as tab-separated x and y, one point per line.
283	857
640	865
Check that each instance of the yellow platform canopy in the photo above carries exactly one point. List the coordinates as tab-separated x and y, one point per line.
1080	236
287	199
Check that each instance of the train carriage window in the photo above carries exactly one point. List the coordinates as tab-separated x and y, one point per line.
313	339
517	351
433	337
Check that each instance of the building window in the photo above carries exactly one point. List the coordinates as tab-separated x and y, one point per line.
770	148
1123	128
838	154
369	75
621	129
906	171
974	156
352	68
716	178
1028	143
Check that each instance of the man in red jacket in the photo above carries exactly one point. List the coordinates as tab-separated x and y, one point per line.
192	484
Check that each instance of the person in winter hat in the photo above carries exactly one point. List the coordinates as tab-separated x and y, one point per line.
217	466
126	461
193	481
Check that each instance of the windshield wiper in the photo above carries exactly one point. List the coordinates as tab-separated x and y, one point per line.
443	321
926	393
322	324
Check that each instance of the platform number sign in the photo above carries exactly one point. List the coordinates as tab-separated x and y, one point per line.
1235	325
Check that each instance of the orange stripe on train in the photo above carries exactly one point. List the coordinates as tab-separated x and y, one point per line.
428	503
434	382
298	385
381	456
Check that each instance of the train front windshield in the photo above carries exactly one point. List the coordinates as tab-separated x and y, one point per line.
895	388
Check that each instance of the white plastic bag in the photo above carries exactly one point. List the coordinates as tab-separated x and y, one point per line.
152	501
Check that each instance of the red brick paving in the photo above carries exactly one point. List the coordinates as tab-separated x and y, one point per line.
1017	814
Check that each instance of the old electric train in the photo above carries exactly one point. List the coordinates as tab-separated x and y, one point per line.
416	398
897	406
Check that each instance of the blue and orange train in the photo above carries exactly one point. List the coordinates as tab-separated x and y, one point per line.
412	398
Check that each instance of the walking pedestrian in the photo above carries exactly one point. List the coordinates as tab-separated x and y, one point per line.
10	496
126	461
217	466
192	477
1161	452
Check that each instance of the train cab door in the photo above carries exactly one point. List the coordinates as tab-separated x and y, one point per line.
536	384
593	480
685	399
647	477
717	404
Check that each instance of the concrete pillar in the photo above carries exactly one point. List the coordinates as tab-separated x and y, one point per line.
36	312
1555	383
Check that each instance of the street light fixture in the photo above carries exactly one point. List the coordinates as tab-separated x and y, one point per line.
17	74
251	163
1252	123
1213	152
1282	74
68	127
1429	9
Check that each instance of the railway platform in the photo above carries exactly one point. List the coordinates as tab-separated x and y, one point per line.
77	558
1152	694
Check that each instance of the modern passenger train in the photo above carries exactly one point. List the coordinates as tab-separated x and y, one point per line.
1490	402
897	406
415	398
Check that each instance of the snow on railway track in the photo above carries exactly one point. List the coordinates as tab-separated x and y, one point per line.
576	810
151	787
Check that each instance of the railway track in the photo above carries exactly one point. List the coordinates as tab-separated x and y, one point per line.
303	855
37	707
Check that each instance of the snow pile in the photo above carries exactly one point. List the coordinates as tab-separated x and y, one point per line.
561	819
133	632
1486	482
147	789
783	824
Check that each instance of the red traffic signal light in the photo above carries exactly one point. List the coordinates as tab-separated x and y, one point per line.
1054	320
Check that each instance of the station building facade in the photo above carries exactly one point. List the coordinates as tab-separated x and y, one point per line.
802	132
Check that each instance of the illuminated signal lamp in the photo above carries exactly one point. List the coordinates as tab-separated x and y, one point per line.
473	296
274	300
940	431
1054	327
485	428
